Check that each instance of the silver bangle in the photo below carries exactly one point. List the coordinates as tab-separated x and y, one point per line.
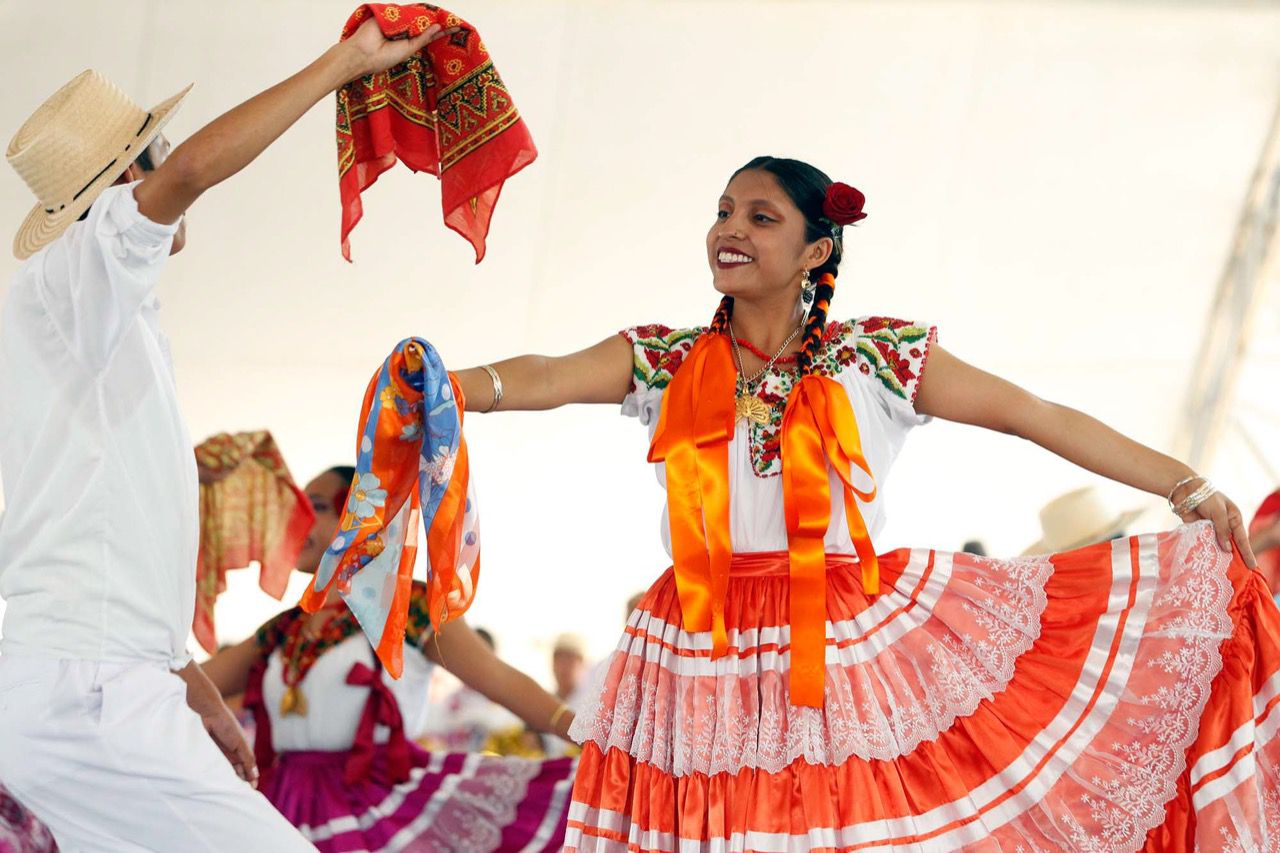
1172	506
497	387
1193	501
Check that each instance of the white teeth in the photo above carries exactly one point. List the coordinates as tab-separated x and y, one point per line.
733	258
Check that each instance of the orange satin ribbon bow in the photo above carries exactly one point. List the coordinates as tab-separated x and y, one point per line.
692	438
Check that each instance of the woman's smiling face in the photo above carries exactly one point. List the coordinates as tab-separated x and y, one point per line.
756	246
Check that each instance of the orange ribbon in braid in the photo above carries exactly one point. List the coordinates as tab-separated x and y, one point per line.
818	430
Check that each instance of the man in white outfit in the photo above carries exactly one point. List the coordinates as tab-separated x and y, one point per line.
108	731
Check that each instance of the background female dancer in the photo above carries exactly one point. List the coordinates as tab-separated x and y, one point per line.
320	700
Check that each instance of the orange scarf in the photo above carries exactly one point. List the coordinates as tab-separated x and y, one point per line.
694	430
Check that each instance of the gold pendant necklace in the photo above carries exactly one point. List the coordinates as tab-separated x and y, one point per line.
752	408
748	406
293	702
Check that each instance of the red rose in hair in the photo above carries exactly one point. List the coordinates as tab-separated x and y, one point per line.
843	204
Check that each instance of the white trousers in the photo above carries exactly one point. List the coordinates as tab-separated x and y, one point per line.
110	757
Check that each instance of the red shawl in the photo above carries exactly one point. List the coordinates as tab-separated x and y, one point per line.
444	111
250	509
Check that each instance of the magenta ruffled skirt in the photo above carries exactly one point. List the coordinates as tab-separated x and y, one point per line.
456	802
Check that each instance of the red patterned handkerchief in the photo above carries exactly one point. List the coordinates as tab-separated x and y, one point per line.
444	111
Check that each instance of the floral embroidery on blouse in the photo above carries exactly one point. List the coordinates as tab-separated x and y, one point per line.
659	351
894	352
888	351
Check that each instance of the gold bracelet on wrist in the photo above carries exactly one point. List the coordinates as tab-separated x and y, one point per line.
555	717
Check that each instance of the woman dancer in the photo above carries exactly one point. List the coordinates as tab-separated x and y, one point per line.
782	688
334	736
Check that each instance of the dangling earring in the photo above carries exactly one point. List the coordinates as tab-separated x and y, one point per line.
807	287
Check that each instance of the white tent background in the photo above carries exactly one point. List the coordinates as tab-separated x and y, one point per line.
1054	184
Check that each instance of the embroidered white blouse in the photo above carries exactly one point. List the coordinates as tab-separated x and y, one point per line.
878	361
334	707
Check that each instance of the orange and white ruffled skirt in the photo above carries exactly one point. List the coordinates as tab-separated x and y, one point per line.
1117	697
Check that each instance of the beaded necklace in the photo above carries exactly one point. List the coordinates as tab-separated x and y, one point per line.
301	649
762	355
748	405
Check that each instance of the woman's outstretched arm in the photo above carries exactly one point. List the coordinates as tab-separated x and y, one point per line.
460	650
956	391
229	668
598	374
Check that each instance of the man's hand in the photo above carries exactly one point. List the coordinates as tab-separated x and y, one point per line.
375	52
229	143
229	737
204	699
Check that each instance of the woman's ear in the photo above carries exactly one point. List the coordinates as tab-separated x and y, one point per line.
819	251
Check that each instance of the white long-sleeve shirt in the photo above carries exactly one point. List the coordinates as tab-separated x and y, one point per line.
99	536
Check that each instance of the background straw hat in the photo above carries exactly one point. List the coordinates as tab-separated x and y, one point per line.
1077	519
571	643
74	146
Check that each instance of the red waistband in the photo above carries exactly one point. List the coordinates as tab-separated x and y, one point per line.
759	564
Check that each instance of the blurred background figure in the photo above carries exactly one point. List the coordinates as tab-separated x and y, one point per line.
568	666
975	547
1264	531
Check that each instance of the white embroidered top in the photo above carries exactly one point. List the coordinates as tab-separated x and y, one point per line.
334	707
878	360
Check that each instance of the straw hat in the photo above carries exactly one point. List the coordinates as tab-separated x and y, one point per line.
74	146
1077	519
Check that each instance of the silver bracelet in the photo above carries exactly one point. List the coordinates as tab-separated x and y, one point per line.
1193	501
497	387
1172	506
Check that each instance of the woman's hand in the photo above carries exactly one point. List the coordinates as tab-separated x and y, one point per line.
1227	522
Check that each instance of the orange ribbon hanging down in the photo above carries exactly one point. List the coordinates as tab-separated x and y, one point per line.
692	438
694	430
819	428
